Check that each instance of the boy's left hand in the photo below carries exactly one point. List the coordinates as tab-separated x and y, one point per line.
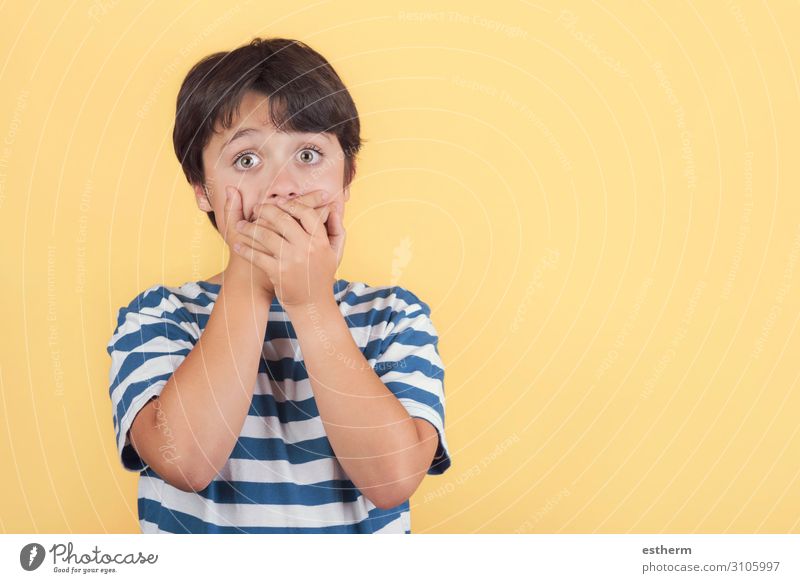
289	241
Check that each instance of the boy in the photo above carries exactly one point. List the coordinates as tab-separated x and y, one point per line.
273	397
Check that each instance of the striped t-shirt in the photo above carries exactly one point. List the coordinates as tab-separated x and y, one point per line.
282	475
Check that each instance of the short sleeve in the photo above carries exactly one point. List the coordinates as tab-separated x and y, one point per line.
410	366
150	341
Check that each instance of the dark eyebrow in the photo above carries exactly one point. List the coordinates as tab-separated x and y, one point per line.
239	133
245	131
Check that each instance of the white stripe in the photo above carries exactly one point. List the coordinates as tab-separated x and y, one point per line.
282	391
277	348
397	526
391	301
415	379
292	432
396	352
190	290
283	471
150	368
133	321
148	527
159	344
244	515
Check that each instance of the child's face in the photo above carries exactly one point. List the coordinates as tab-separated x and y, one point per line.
265	164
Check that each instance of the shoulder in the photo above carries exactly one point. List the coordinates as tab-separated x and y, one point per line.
388	311
159	304
397	302
156	300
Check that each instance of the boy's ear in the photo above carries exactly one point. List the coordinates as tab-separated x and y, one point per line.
201	196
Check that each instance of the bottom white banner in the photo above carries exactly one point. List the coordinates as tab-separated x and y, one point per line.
499	557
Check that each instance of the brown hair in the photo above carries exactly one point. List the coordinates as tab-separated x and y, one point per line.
305	95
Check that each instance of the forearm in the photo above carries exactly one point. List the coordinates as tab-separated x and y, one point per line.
370	431
205	402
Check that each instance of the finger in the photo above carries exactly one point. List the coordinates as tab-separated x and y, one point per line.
336	230
260	236
323	211
309	219
313	199
272	217
335	226
233	208
319	200
258	258
242	237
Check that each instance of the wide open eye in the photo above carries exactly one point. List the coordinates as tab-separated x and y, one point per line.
246	161
309	155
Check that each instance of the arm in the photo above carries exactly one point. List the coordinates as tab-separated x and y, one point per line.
187	433
384	451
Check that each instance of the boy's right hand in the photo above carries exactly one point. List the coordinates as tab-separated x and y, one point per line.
238	266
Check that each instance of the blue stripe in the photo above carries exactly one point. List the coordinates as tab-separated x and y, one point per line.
372	317
150	298
369	318
409	364
405	391
136	359
131	459
441	461
286	411
180	522
274	449
134	390
283	369
409	337
169	327
352	298
241	492
200	300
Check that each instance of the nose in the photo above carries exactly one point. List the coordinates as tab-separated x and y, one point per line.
282	185
282	182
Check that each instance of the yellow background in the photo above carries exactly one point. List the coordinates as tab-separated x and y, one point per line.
598	201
